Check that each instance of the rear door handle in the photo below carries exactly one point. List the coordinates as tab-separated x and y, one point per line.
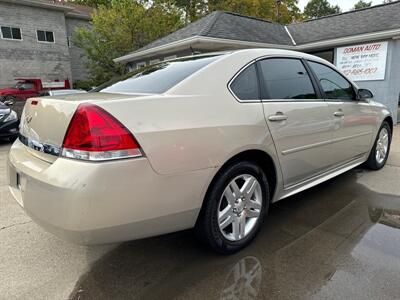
338	114
279	116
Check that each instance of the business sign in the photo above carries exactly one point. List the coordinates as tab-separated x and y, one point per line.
363	62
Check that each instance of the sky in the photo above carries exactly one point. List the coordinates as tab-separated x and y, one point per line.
345	5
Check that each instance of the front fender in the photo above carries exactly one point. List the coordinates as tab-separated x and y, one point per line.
381	112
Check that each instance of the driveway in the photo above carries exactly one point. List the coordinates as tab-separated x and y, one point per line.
338	240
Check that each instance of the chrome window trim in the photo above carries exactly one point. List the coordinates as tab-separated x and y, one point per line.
355	88
233	79
292	100
265	100
310	76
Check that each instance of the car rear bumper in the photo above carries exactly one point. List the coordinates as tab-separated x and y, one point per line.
9	129
92	203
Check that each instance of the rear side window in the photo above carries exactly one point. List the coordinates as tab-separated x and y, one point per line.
245	85
158	78
285	78
334	85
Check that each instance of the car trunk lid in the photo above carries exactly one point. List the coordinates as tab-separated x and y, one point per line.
45	121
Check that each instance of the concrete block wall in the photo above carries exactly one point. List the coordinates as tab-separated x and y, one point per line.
78	68
30	58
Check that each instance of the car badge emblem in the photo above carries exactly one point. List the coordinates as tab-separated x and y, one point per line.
28	119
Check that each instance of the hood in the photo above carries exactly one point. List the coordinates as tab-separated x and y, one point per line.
7	91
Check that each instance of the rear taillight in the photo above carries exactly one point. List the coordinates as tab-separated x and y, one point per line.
95	135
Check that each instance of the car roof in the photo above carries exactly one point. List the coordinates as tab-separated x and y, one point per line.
260	52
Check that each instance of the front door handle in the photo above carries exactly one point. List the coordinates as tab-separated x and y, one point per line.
338	113
279	116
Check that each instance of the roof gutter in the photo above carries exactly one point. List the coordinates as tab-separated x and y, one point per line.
380	35
186	43
39	4
78	16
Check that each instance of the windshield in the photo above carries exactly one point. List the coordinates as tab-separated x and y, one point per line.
158	78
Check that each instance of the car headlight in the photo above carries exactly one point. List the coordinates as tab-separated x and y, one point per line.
11	117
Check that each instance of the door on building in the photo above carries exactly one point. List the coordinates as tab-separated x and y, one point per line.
352	119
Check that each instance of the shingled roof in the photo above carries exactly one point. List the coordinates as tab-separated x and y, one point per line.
228	25
372	19
232	26
70	9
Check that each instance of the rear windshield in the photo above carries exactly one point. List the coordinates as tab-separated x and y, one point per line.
157	79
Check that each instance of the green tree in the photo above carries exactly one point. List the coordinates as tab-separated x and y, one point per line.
92	3
320	8
362	4
282	11
119	29
191	9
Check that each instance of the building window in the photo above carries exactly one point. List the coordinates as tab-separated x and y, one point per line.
11	33
154	61
327	55
170	57
140	65
45	36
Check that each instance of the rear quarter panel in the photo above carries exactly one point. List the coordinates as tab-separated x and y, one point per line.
187	133
198	124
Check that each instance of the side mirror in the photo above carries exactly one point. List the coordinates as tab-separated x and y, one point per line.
364	94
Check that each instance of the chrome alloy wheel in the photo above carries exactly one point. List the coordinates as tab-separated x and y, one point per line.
382	146
240	207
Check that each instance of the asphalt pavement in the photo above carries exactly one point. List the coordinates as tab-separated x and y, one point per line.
339	240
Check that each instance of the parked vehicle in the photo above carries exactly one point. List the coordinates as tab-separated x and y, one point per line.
61	92
9	122
28	87
206	141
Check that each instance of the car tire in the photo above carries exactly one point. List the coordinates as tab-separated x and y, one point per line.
375	160
252	199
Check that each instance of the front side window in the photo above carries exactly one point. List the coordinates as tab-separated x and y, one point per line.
157	79
245	85
45	36
11	33
285	78
26	86
334	85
